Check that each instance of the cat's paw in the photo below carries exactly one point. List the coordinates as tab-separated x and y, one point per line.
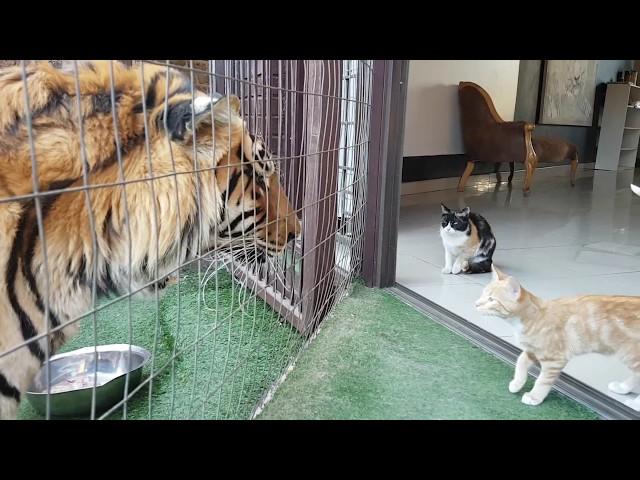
465	266
634	403
456	269
619	387
515	386
446	270
529	399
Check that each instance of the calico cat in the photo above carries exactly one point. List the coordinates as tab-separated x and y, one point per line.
552	332
468	241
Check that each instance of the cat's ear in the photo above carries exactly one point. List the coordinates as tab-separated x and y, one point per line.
465	211
444	208
513	288
497	274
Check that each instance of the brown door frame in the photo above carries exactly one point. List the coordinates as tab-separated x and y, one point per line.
388	105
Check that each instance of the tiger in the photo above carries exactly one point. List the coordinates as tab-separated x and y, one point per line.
112	144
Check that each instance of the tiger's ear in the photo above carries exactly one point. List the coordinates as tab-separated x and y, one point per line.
202	109
234	104
182	115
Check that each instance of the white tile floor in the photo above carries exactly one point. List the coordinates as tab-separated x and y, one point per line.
557	241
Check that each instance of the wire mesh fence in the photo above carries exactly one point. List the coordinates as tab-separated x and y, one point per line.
187	224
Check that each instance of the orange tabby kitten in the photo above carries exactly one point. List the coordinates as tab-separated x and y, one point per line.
551	332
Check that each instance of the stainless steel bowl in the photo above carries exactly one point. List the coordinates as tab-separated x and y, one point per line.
72	379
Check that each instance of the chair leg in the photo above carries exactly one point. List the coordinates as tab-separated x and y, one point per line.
496	170
512	167
530	165
574	168
465	176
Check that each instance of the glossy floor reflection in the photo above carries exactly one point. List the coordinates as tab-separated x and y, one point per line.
557	241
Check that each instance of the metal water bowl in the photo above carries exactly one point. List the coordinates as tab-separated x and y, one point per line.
73	375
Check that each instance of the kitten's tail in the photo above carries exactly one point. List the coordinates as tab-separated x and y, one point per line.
635	189
479	264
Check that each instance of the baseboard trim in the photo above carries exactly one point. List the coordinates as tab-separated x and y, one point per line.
435	185
604	406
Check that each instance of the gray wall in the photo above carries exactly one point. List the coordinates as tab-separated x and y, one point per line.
527	103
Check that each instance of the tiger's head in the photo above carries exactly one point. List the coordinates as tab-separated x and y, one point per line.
196	178
254	211
137	175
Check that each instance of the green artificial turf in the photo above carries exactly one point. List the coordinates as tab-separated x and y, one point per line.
378	358
224	376
374	358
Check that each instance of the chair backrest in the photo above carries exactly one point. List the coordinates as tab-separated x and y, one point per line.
476	107
485	135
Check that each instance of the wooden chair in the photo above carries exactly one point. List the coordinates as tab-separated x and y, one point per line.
488	138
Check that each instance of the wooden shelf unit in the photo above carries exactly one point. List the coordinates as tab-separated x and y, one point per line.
620	128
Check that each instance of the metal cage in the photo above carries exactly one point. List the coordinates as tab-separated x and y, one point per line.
227	330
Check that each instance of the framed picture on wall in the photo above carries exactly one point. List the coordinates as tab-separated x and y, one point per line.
568	92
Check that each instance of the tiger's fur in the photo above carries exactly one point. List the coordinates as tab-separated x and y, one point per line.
208	195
